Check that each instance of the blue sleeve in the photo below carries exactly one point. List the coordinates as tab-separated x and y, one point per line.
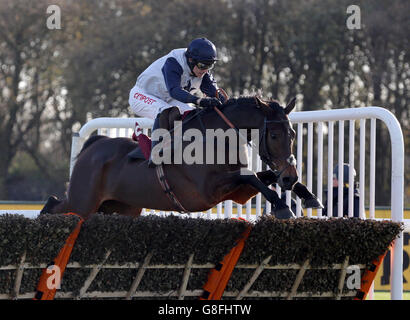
172	72
208	86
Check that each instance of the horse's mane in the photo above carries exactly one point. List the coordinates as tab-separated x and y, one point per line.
271	104
240	100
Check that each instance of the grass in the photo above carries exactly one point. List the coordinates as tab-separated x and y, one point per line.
385	295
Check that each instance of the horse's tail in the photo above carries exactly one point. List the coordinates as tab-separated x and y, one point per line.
89	142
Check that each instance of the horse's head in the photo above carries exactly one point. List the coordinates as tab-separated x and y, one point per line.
276	141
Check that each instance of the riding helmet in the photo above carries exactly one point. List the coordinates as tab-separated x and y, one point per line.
201	50
346	168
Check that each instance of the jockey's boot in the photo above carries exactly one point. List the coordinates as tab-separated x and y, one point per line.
137	132
156	125
137	153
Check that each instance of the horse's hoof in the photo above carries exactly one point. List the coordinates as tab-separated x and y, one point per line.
313	203
284	213
51	202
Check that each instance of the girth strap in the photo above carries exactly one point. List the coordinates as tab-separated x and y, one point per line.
167	189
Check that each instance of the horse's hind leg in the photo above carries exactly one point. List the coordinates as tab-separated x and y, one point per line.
86	190
53	205
112	206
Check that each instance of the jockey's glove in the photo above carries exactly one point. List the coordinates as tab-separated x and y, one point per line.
209	102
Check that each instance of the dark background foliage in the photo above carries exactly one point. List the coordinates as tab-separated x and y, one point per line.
53	81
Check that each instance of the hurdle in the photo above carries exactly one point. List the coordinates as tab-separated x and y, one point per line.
208	259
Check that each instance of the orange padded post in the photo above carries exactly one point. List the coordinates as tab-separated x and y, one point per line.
44	292
220	275
368	277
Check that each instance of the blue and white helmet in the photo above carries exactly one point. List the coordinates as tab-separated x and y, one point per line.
346	169
202	51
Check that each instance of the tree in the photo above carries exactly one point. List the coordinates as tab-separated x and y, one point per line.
26	80
53	81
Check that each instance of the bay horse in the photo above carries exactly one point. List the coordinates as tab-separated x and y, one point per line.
105	180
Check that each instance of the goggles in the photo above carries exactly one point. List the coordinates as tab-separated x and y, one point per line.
205	65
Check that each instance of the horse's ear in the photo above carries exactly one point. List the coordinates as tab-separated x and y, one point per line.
290	106
260	103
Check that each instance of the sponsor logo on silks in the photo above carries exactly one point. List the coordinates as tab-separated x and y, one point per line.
144	98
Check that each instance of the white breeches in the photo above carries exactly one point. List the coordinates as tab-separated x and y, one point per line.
148	106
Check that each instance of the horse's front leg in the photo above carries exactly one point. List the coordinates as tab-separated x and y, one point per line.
309	199
281	210
268	177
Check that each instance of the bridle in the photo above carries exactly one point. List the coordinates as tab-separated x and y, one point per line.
266	156
263	154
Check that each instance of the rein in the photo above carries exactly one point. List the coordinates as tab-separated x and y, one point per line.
224	118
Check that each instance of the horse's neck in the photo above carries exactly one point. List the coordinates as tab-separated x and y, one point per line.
241	116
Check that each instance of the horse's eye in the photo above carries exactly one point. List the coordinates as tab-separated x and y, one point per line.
273	135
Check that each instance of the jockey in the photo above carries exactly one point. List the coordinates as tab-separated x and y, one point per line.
176	80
